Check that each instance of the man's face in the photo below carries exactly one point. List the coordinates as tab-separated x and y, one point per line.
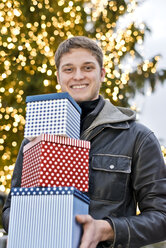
80	75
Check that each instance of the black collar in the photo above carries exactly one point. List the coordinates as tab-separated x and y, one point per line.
90	109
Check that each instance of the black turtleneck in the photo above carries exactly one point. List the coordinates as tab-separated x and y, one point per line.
90	110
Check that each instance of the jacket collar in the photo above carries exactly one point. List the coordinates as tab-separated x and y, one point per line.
112	116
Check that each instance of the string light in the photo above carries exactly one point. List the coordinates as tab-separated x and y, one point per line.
27	57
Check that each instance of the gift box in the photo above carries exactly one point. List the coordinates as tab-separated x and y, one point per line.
45	217
51	160
52	113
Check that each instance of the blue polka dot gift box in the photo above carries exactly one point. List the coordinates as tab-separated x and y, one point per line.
56	113
45	217
51	160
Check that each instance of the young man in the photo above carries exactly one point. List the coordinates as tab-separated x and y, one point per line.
126	166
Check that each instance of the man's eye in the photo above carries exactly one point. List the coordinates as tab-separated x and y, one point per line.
68	69
88	68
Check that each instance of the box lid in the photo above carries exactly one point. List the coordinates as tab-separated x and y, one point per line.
50	191
57	139
53	96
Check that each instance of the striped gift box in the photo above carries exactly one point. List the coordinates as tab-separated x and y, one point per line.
51	160
45	217
54	113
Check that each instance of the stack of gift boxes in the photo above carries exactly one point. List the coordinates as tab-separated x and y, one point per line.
54	176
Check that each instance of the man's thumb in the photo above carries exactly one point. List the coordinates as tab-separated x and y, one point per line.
82	219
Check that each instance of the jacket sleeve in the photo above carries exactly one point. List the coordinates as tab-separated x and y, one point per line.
16	182
149	187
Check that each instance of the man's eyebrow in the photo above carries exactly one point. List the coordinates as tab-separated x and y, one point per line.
85	63
69	64
89	62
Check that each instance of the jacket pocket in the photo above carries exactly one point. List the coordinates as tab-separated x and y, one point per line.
108	176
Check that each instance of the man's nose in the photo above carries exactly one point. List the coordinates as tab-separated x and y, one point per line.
78	75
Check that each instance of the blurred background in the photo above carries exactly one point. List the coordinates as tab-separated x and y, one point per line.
132	36
152	106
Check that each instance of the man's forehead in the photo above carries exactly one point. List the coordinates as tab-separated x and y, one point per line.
77	51
78	57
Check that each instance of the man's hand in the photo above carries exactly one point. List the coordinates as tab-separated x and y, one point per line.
94	231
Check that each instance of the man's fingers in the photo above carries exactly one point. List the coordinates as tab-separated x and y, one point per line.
90	237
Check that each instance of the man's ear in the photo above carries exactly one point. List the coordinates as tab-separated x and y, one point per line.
103	72
57	76
58	81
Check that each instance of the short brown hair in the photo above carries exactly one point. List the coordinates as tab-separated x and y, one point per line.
79	42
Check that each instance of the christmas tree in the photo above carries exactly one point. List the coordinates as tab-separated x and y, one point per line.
30	32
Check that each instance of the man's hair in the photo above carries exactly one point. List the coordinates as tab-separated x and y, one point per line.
79	42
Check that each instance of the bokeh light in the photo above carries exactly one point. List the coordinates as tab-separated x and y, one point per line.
30	33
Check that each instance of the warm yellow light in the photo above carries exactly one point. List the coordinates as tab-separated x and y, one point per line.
46	82
16	12
14	143
108	91
157	58
11	167
3	30
6	168
7	117
43	70
47	49
145	67
4	75
58	87
15	130
1	148
2	89
7	128
49	72
32	9
20	48
153	70
2	188
8	177
29	25
11	90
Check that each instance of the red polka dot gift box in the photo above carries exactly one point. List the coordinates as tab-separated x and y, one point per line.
55	113
51	160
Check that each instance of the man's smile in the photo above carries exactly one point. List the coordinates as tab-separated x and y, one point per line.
79	86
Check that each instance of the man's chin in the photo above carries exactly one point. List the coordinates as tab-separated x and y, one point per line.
79	99
82	97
